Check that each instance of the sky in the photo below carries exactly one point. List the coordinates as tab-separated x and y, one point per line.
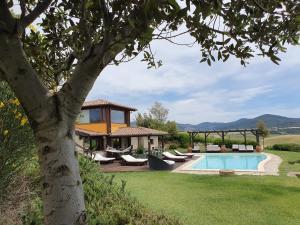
194	92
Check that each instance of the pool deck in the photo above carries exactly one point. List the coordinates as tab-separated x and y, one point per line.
269	166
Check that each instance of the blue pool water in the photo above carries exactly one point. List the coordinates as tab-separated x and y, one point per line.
230	161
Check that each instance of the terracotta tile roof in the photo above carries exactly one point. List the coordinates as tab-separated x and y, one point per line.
83	132
101	102
136	131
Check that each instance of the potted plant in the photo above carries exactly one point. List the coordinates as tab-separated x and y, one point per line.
190	149
223	148
258	148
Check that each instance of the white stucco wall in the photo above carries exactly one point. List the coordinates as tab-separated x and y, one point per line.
144	142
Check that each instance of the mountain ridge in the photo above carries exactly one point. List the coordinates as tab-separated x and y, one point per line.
272	121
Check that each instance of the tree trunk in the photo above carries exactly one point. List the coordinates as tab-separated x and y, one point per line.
63	198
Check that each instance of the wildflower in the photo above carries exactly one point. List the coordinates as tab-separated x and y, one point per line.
24	120
5	132
1	104
16	101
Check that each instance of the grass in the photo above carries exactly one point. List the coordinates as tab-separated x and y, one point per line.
214	200
289	163
282	139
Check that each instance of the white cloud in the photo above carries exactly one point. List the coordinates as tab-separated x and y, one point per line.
195	92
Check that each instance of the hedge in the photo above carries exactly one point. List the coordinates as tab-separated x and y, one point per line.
287	147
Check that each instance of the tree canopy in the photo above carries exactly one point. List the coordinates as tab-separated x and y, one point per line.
157	119
52	51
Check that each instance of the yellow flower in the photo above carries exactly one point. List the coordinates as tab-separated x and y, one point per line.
1	104
33	28
5	132
23	121
18	115
16	101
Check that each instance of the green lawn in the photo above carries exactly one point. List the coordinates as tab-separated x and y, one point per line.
210	200
289	161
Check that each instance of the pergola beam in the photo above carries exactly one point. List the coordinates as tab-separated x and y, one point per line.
222	134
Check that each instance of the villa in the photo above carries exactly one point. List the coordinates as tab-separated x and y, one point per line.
103	123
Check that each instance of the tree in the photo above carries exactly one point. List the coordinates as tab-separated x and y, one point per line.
159	112
263	130
143	120
51	69
171	127
157	119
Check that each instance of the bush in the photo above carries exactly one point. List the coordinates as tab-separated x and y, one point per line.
140	150
173	146
287	147
16	138
106	202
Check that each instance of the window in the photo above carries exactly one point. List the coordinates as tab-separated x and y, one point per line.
95	115
117	116
83	117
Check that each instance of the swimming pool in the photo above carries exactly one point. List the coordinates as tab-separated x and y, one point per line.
228	161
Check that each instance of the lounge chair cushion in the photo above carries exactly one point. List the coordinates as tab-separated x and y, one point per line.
249	147
213	148
99	157
242	148
129	158
235	146
170	162
183	154
171	156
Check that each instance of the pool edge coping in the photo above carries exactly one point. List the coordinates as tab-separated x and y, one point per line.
185	168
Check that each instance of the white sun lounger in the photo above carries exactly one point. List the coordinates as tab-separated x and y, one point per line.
130	160
175	158
249	148
184	154
213	148
102	159
242	148
235	147
196	149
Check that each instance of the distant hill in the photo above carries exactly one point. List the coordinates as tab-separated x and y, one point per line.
272	121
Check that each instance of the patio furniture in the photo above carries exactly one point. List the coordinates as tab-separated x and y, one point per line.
242	148
213	148
170	156
156	163
117	153
196	149
235	147
190	155
97	157
249	148
129	160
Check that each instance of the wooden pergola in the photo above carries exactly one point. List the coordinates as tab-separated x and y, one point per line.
223	133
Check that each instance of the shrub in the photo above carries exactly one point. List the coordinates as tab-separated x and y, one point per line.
106	202
16	138
173	146
140	150
287	147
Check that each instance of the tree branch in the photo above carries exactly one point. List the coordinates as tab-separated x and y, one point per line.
23	79
23	8
2	75
36	12
6	20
